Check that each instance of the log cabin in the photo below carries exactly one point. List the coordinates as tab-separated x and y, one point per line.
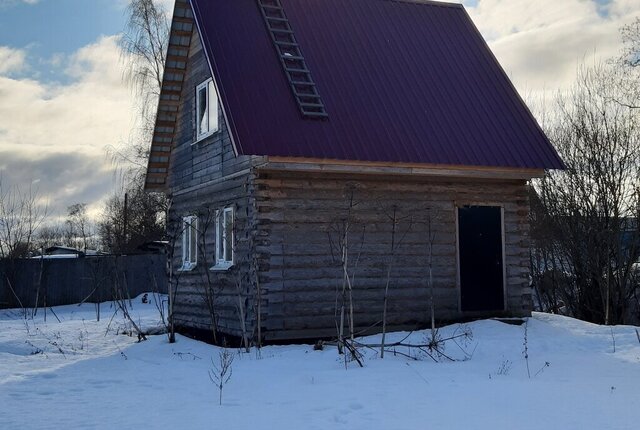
323	155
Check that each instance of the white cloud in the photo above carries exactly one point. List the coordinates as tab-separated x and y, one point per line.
7	3
540	43
42	125
11	60
56	59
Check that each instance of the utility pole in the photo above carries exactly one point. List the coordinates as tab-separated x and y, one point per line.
126	220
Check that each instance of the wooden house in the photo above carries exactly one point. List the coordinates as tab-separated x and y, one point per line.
304	142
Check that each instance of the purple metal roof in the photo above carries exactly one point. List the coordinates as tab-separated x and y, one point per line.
401	81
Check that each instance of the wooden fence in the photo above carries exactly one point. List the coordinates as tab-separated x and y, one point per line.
61	281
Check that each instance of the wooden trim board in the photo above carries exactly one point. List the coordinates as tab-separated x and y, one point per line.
414	169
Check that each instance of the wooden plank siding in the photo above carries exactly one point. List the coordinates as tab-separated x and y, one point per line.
197	163
299	271
206	176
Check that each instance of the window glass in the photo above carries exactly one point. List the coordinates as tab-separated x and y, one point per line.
220	236
206	109
189	242
193	240
203	111
228	235
224	237
213	107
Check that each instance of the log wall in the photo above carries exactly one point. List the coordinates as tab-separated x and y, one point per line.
206	176
203	292
301	217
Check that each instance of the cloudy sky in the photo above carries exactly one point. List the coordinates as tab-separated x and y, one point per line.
63	103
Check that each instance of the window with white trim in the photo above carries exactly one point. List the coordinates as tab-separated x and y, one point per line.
189	242
224	238
206	109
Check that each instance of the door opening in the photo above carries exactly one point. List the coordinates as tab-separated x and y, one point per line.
480	258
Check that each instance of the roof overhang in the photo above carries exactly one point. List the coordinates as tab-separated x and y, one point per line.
174	75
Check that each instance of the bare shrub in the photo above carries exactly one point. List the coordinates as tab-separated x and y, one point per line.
220	372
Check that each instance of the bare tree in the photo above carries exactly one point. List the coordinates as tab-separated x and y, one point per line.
627	66
221	373
21	214
133	216
98	279
631	43
79	227
207	223
49	235
397	237
391	260
239	275
431	218
586	225
341	245
122	299
144	49
144	44
174	234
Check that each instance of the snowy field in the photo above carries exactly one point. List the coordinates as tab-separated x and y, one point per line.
83	374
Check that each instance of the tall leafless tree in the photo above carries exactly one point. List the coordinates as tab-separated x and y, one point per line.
133	216
144	49
585	223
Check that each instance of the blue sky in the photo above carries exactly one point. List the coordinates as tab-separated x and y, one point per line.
50	29
63	103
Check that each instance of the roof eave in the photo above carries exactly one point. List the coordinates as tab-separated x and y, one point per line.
314	165
167	114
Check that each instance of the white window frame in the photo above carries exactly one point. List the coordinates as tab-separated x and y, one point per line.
212	112
189	234
221	239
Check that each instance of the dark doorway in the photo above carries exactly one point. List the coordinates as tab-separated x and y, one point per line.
480	248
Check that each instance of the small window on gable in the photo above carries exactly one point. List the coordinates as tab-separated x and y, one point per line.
224	238
206	110
189	242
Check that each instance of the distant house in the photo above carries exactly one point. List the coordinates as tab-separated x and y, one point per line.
153	247
62	250
283	122
59	251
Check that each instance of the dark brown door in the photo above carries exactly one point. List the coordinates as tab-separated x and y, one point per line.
481	265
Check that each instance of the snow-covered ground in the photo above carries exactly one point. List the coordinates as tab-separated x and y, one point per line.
83	374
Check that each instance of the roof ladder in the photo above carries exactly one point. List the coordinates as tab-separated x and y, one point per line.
293	63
